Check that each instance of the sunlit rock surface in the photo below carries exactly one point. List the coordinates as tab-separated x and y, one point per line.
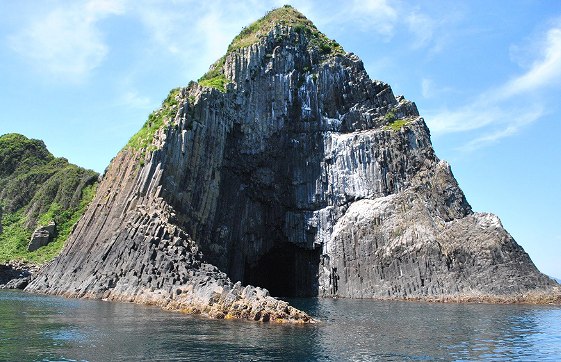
304	177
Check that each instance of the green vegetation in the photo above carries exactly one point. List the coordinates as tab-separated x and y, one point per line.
397	124
36	188
15	235
215	78
390	117
218	82
287	16
142	140
394	124
19	152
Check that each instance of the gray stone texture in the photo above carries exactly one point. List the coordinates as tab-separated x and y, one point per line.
293	181
42	236
15	275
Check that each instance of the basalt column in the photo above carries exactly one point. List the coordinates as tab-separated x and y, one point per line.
285	167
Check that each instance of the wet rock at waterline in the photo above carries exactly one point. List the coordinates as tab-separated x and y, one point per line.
16	275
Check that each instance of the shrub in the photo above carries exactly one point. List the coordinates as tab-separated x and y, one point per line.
142	140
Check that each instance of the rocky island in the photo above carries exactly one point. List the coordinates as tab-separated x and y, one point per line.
285	171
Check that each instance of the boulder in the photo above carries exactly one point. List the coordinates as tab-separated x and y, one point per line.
42	236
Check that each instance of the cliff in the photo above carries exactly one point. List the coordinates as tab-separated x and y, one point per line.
288	168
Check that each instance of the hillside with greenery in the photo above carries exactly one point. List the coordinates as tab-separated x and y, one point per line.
35	189
284	16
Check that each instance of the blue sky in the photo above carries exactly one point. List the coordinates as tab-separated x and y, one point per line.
486	75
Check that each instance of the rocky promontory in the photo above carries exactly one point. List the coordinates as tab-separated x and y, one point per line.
286	167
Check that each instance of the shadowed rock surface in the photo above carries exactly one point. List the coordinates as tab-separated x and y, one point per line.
16	275
287	167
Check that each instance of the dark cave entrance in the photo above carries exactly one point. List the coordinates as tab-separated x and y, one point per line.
286	271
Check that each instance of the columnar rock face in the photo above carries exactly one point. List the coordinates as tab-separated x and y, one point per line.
303	176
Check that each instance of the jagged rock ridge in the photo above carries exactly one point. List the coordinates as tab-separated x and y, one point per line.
290	169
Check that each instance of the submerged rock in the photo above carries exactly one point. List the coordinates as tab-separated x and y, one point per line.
288	168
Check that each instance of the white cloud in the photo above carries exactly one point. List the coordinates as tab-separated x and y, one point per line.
490	122
133	99
435	29
378	15
65	42
504	110
427	87
163	26
422	27
544	72
215	35
385	19
195	33
513	121
430	89
467	118
104	6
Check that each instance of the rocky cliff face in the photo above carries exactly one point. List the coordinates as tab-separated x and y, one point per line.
288	168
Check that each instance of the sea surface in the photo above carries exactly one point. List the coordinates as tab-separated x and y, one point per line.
46	328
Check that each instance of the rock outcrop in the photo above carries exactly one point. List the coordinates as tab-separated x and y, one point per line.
42	236
285	167
16	275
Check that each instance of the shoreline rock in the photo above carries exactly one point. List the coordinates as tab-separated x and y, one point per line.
212	301
16	275
539	297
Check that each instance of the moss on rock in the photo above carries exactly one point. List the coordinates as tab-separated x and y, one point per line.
142	140
252	34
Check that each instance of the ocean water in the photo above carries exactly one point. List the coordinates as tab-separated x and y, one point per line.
46	328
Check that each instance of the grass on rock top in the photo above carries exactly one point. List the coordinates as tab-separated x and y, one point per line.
142	140
286	16
218	81
397	124
394	124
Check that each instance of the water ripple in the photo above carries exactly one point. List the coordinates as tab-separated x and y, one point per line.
46	328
